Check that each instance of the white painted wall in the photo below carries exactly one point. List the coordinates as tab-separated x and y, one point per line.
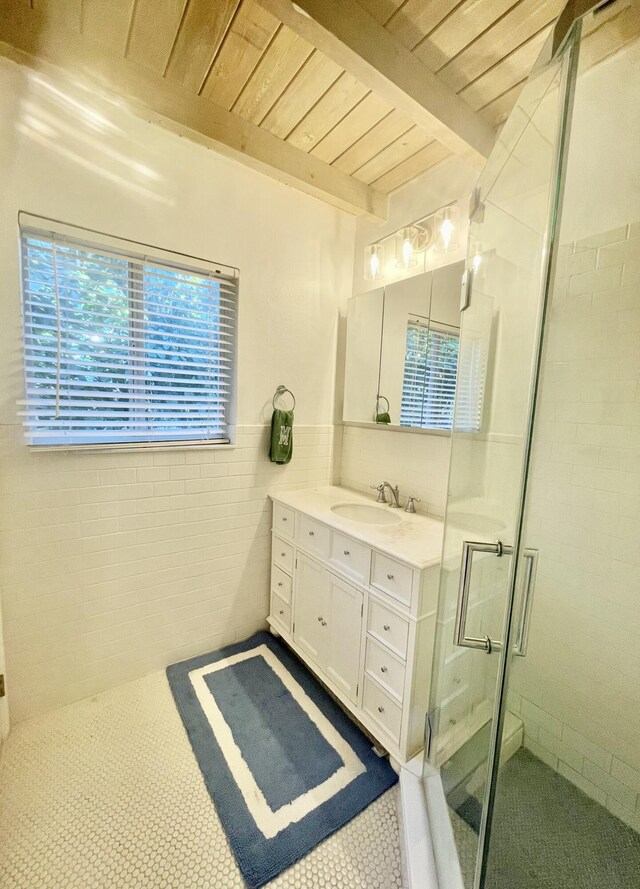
418	463
114	564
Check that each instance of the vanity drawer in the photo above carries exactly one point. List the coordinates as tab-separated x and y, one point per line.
312	536
382	708
280	583
392	577
282	553
351	557
388	627
387	670
284	520
281	612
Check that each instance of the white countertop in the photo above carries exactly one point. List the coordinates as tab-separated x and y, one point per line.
415	539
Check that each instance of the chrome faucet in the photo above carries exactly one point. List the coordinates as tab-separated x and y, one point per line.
395	493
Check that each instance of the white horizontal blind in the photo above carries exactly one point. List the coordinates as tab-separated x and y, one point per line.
120	347
429	382
472	372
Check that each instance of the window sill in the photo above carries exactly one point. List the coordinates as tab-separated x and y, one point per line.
134	446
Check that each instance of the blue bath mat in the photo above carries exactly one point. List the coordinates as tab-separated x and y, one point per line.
283	764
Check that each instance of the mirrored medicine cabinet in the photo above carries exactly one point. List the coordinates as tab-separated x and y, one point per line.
402	352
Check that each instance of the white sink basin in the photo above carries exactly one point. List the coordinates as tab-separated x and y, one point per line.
370	515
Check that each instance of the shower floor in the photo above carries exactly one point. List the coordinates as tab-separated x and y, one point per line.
548	834
106	793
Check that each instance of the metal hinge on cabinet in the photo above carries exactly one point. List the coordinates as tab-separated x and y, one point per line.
357	689
2	688
362	609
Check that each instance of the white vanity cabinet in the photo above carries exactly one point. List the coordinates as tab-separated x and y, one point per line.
327	623
310	628
360	617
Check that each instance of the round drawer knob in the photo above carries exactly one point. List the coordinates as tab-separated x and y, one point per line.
324	623
283	555
284	519
346	552
380	709
389	576
279	583
311	533
281	611
319	620
382	669
387	627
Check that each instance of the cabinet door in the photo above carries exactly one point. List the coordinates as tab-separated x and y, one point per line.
345	626
311	617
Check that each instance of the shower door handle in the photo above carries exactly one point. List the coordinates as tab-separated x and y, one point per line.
484	643
530	565
469	547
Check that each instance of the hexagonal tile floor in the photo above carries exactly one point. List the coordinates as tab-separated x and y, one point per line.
106	793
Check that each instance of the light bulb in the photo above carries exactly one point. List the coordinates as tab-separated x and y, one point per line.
446	230
374	262
477	261
447	224
407	250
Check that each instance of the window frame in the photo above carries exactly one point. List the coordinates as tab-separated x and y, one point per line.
137	254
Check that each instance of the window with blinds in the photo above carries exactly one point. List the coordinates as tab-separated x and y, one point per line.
123	347
429	381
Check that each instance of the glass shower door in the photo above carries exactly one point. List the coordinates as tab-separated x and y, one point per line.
567	804
482	584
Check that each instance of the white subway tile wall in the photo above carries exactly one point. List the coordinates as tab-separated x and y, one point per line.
578	689
417	463
117	564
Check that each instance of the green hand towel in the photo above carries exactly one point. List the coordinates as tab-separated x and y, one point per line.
281	436
384	417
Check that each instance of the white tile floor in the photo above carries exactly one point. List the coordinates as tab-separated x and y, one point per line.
106	793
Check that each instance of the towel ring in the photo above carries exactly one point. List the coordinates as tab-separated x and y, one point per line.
281	390
384	398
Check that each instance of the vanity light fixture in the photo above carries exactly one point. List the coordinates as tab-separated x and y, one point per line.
412	240
374	262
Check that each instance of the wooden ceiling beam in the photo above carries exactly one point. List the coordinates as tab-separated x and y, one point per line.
348	34
27	40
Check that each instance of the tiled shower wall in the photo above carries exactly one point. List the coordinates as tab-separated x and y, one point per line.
117	564
578	689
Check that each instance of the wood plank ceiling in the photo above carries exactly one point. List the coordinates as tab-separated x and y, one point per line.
237	56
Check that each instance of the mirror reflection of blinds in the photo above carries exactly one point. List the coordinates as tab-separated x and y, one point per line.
123	348
472	372
429	382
